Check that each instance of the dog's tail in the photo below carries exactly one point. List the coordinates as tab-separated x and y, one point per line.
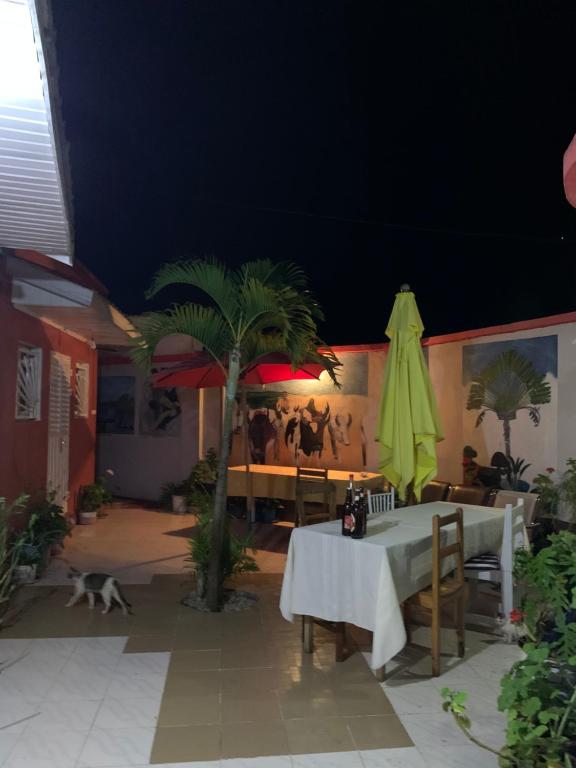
123	598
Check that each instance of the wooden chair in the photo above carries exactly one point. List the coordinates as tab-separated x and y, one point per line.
469	494
381	502
498	569
451	589
436	490
314	483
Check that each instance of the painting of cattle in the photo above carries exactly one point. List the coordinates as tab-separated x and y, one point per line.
306	423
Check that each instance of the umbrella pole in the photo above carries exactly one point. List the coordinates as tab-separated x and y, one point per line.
250	508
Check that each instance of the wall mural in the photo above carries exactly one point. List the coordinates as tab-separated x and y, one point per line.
511	403
160	411
307	423
116	404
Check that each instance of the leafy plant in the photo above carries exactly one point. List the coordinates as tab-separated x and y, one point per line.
9	551
259	308
93	497
539	693
50	522
508	384
563	490
235	558
516	468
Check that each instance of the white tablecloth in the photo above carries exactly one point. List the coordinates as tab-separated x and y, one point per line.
363	582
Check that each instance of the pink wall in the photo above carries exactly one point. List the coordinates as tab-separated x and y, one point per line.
24	444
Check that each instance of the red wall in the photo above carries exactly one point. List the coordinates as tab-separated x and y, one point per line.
24	444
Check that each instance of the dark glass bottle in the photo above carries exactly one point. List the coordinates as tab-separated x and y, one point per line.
347	516
364	509
357	530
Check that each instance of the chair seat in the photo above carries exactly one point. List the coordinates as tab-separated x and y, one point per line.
486	562
449	588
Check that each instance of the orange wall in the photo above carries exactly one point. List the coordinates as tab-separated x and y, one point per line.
24	444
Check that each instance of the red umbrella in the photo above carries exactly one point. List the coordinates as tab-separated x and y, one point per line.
203	371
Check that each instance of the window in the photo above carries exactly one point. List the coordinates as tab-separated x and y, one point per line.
28	383
82	390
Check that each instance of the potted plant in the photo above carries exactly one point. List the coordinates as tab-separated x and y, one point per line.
8	548
539	693
174	495
188	495
235	558
90	500
50	523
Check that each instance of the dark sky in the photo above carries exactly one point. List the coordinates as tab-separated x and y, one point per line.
375	143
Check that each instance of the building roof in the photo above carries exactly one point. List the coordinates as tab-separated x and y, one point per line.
67	297
35	190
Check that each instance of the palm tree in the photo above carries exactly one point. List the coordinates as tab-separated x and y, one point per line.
509	383
259	308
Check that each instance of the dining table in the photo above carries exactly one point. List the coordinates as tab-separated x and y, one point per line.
364	581
278	482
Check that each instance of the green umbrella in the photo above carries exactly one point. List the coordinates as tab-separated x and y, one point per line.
408	424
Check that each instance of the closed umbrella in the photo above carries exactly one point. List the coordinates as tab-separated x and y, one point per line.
408	423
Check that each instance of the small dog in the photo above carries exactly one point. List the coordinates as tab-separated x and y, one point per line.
102	583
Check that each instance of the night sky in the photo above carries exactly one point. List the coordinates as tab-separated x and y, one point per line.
374	143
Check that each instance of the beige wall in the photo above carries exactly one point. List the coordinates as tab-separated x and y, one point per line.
143	463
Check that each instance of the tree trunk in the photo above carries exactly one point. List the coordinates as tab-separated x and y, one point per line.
507	447
213	596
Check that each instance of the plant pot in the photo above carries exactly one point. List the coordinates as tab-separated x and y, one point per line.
56	547
25	574
179	505
87	518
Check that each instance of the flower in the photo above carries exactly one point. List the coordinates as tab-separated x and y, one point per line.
550	470
517	616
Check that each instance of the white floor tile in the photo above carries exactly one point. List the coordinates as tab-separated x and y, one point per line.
78	714
114	747
328	760
459	757
251	762
62	746
75	684
128	713
16	714
7	743
408	757
415	698
433	730
136	686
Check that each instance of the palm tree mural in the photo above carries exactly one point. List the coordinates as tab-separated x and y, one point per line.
508	384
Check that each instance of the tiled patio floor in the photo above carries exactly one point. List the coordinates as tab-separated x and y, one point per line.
171	686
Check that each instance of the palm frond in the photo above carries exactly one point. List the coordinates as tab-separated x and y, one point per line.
508	383
534	414
208	275
274	274
259	306
204	324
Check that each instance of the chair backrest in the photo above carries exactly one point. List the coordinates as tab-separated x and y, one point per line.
436	490
513	538
381	502
440	552
502	498
468	494
311	475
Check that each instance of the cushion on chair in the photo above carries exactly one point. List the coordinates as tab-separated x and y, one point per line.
436	490
485	562
469	494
